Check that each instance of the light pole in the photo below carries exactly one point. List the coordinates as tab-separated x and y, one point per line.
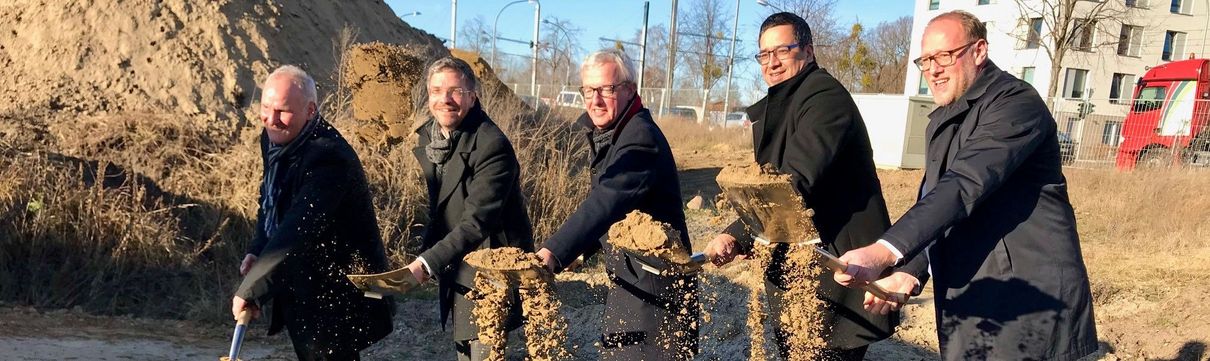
496	27
767	3
453	23
731	64
414	13
567	54
533	75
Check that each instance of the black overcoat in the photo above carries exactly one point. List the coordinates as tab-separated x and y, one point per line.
1008	275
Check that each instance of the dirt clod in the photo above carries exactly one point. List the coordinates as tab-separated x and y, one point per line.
641	234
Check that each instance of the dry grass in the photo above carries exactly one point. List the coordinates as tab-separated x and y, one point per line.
689	137
1162	209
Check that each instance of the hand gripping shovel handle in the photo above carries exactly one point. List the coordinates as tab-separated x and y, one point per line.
837	266
237	339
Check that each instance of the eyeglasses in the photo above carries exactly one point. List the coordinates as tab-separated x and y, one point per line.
606	91
942	58
455	92
782	53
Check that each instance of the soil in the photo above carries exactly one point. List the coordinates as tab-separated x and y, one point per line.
545	327
767	202
503	259
641	234
382	80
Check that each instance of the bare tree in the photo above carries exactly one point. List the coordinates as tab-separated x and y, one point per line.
705	38
889	44
854	65
655	73
474	35
1060	26
559	47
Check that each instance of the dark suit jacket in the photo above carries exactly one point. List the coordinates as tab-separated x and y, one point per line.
809	127
1007	270
326	229
636	171
476	204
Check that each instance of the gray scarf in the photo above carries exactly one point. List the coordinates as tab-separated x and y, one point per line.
275	164
440	147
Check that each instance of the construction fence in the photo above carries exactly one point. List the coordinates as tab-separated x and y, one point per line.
664	103
1132	133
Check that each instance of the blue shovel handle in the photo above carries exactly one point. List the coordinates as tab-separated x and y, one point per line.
237	339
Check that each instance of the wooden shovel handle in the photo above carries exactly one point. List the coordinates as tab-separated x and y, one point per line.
243	318
837	266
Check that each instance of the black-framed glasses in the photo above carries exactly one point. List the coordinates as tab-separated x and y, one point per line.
455	92
606	91
942	58
782	53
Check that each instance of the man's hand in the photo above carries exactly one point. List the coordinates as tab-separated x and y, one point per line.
239	304
418	271
548	260
898	282
865	264
721	250
246	265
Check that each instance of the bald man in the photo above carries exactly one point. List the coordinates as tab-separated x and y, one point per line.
315	224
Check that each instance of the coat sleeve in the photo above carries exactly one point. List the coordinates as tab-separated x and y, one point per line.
259	240
622	184
492	183
823	124
322	187
1009	131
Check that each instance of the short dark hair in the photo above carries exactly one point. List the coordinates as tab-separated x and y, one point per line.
457	65
802	31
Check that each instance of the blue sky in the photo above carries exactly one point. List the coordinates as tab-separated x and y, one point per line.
617	18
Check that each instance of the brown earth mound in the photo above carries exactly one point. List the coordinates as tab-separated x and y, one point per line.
176	56
641	234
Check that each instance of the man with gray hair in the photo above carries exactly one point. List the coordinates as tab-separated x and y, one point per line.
648	316
475	201
315	224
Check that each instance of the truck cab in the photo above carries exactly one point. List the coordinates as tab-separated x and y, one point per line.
1169	121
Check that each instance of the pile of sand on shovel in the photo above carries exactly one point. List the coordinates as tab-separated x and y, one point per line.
508	267
643	235
760	194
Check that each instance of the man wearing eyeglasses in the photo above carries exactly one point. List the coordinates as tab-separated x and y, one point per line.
809	127
993	214
647	316
475	201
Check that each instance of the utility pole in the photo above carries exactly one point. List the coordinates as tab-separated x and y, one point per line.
453	23
671	60
643	47
731	64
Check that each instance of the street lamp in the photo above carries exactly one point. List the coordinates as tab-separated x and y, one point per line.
567	55
414	13
453	23
767	3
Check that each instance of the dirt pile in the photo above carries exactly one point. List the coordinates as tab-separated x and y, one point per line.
176	56
501	269
382	80
767	202
641	234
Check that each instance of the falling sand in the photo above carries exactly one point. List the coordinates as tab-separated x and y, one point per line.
501	269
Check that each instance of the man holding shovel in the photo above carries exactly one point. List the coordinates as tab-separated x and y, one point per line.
315	224
808	127
993	215
648	316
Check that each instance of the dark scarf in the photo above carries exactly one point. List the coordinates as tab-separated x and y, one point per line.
274	164
440	147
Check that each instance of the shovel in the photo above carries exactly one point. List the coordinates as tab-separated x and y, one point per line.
237	339
376	285
768	205
694	265
833	263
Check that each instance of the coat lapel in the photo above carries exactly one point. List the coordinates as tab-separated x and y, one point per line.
455	168
942	133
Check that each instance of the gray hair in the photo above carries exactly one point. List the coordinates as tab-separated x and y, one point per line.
299	79
610	55
458	66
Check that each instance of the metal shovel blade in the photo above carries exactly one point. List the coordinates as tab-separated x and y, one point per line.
375	285
769	209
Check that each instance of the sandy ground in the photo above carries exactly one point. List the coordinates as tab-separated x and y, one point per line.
1167	322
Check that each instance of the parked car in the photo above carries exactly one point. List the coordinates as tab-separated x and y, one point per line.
570	99
680	114
737	120
1067	149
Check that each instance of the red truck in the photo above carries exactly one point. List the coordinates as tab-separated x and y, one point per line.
1169	121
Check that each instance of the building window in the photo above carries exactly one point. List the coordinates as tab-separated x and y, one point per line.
1081	36
1033	35
1174	45
985	2
1136	3
1121	86
934	4
1027	74
1130	41
1109	134
1180	6
923	87
1073	83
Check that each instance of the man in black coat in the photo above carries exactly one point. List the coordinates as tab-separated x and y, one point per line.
808	127
647	316
475	200
315	224
993	215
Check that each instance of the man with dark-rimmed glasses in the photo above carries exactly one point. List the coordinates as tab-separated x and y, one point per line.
647	316
993	215
809	127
